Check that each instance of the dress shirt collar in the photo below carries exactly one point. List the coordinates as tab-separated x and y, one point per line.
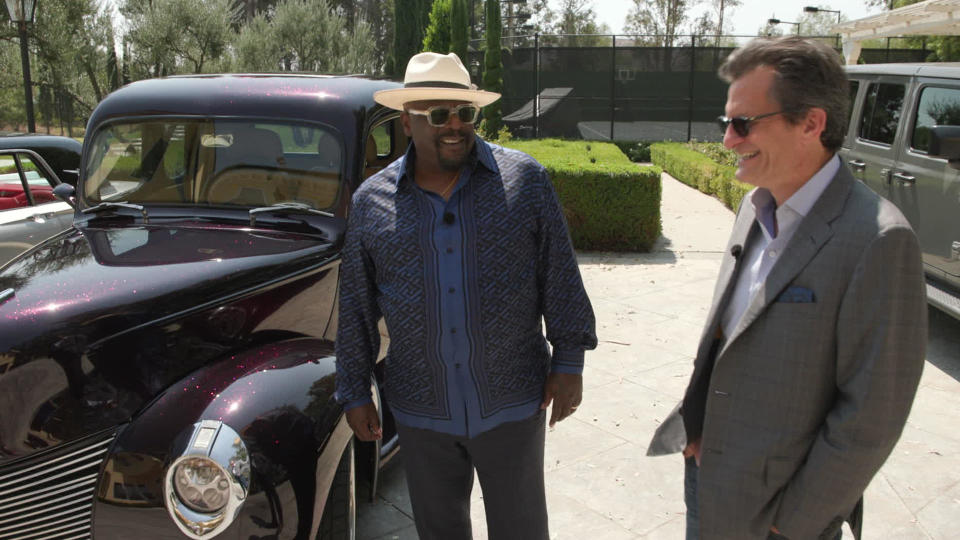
481	153
776	220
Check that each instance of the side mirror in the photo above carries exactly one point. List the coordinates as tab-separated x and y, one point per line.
66	192
945	143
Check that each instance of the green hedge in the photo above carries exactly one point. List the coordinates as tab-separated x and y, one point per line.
610	203
699	171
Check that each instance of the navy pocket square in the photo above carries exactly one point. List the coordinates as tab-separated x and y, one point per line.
797	295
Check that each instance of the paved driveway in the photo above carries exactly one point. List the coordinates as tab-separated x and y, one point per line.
650	309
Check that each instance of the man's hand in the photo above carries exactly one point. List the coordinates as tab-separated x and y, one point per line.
364	422
565	390
693	449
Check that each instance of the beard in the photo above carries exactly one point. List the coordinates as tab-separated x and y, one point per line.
452	161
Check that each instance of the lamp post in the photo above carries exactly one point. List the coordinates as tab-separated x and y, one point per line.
778	21
813	9
21	12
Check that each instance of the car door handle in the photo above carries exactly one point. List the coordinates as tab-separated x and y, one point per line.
904	179
857	164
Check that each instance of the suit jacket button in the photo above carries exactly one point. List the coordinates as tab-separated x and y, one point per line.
721	393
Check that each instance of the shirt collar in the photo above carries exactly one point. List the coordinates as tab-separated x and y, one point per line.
803	200
797	206
481	153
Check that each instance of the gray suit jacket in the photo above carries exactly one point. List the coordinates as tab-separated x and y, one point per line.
802	404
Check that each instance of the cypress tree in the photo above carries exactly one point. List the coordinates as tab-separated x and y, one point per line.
492	69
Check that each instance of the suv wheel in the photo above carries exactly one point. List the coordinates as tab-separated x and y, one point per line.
339	521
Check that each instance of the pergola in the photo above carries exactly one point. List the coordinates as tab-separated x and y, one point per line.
932	17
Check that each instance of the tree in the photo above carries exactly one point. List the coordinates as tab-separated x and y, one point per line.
720	8
306	35
492	70
439	31
408	36
577	21
174	36
660	21
460	29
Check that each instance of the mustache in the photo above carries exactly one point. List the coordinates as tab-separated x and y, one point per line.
456	132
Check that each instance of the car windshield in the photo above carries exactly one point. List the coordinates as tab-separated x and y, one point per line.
214	162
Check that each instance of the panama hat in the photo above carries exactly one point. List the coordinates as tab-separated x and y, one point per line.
432	76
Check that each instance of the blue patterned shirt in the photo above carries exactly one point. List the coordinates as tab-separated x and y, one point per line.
463	286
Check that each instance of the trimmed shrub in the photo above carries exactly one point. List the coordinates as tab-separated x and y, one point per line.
638	152
701	172
610	203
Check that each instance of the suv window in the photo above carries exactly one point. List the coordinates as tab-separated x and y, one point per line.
215	162
882	109
936	107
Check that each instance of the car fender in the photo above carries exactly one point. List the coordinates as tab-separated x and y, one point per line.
279	398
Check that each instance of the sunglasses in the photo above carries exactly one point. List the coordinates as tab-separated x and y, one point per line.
741	124
439	115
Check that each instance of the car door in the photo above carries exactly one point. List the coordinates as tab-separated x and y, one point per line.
877	129
29	213
926	188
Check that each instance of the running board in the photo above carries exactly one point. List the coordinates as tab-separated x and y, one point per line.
943	300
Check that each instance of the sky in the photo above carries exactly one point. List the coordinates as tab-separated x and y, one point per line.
747	18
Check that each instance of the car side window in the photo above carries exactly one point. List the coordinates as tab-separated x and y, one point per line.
12	191
936	107
882	109
383	139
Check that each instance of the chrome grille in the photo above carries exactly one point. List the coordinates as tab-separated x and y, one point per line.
51	496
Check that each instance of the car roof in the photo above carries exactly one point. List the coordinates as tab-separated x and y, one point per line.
328	99
949	70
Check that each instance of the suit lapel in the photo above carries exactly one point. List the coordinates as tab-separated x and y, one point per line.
811	234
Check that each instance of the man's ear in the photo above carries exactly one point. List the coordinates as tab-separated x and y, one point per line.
815	122
405	121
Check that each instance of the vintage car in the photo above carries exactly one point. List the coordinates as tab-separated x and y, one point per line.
167	362
29	212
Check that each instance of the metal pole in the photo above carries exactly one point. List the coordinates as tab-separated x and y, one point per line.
613	85
27	85
536	85
693	61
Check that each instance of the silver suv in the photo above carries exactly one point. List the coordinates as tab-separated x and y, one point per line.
904	142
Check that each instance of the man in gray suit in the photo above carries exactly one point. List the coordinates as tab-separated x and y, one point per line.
814	344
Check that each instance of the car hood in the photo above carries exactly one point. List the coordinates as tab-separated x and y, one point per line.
100	282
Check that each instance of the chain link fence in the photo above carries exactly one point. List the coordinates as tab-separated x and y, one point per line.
624	88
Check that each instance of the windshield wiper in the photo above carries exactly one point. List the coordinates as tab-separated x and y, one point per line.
290	207
106	205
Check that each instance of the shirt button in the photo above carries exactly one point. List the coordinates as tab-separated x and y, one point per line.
457	365
772	254
453	330
451	290
449	250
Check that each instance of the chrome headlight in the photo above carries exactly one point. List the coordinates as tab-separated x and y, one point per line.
205	487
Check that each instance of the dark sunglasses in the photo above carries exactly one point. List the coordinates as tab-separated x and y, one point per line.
439	115
741	124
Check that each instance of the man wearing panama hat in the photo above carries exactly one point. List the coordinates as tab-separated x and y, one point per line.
462	248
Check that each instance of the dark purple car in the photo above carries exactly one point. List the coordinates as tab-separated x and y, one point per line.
166	364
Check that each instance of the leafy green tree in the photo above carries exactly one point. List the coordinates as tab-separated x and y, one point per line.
257	48
175	36
658	21
306	35
460	29
437	38
492	70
